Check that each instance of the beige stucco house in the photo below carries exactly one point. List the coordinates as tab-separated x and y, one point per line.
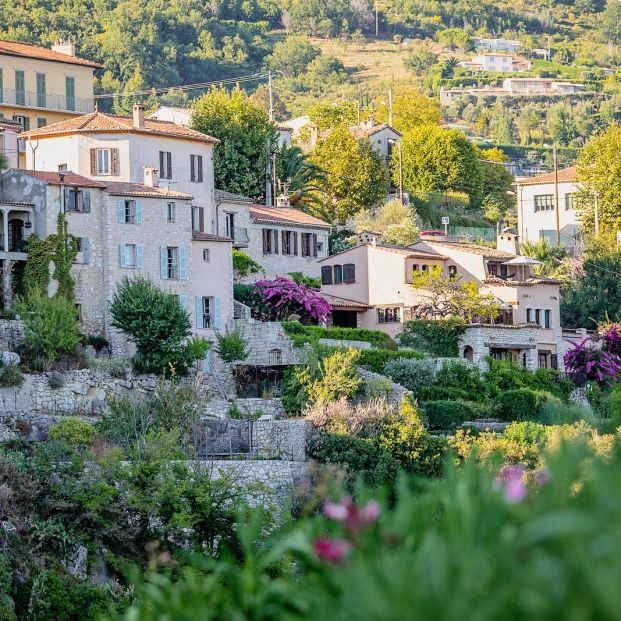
370	286
281	239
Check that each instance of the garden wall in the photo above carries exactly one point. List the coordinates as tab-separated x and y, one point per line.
249	408
268	343
399	392
11	334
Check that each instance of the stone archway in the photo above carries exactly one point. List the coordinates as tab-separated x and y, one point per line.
469	353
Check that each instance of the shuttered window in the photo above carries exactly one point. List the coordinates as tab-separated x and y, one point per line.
326	275
349	273
196	168
165	165
105	162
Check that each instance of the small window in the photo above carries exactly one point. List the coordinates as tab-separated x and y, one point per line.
529	315
287	246
275	357
538	316
492	269
130	212
103	161
415	267
172	263
349	273
452	271
424	268
41	121
165	165
129	258
570	202
547	319
326	275
206	320
206	256
338	274
196	168
62	167
171	212
319	246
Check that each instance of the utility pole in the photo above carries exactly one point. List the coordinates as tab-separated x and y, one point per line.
269	164
556	210
376	19
390	107
400	173
596	214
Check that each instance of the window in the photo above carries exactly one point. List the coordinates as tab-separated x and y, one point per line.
529	315
70	93
229	219
287	242
338	274
20	90
319	246
206	257
76	200
131	255
570	202
544	202
62	167
424	268
41	121
543	360
41	94
389	315
205	320
349	273
452	271
172	263
196	168
129	212
309	244
270	241
547	318
538	316
23	120
1	87
198	218
165	165
326	275
171	212
105	162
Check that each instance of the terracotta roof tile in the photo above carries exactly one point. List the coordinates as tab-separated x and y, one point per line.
286	215
11	125
64	178
337	302
222	196
565	175
26	50
122	188
483	251
200	236
362	131
99	122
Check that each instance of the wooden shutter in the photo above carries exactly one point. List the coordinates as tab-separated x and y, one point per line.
122	255
200	169
93	161
66	199
114	162
183	302
201	219
169	165
314	244
326	275
162	171
198	303
163	260
138	212
295	244
121	210
349	273
275	232
86	201
192	168
267	241
217	314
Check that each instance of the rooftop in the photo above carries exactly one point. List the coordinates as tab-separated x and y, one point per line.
27	50
222	196
288	215
405	251
343	303
12	125
565	175
63	178
102	123
200	236
484	251
364	131
123	188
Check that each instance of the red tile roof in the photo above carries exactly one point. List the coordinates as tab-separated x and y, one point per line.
10	125
200	236
99	122
64	178
26	50
343	303
565	175
122	188
483	251
286	215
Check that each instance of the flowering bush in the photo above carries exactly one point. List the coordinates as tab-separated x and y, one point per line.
597	358
276	300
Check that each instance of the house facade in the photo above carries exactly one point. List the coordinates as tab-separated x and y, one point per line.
370	286
9	145
40	86
496	45
498	62
281	239
536	207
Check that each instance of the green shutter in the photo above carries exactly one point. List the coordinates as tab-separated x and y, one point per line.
20	94
70	93
41	91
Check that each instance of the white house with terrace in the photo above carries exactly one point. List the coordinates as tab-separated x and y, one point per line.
281	239
370	286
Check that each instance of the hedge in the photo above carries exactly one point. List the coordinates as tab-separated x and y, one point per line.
519	404
376	359
442	393
438	337
451	414
301	334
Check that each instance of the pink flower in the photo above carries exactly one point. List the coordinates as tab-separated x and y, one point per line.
356	519
510	480
370	512
331	550
336	511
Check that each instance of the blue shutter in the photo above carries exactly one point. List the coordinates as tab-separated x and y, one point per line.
163	256
138	212
121	210
86	201
139	256
218	314
121	255
86	259
199	312
183	274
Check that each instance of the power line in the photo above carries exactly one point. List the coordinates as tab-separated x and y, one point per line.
186	87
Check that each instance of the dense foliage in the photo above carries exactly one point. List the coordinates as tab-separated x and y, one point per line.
301	334
439	337
597	358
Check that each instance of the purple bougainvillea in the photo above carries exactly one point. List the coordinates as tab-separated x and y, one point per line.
276	300
598	358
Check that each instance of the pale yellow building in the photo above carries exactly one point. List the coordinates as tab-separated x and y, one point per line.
41	86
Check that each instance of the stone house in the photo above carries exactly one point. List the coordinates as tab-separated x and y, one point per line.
536	207
281	239
9	144
370	286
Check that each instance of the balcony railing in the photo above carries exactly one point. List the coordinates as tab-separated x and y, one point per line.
46	101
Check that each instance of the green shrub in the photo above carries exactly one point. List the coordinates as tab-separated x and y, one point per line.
375	388
437	337
527	432
410	372
72	431
451	414
462	376
243	264
97	341
157	323
301	334
51	326
442	393
518	404
232	346
10	375
335	377
376	359
555	412
313	282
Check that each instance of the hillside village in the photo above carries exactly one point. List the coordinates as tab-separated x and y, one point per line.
253	339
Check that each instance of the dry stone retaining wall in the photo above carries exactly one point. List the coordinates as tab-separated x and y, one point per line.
249	408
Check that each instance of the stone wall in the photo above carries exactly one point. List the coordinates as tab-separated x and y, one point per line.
399	392
11	334
268	343
249	408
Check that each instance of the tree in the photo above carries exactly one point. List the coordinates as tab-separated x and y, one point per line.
599	175
247	139
396	223
496	184
542	250
446	296
303	177
438	160
562	124
453	38
410	109
420	61
356	176
610	22
292	56
156	322
594	295
329	115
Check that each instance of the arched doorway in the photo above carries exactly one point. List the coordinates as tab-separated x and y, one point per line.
469	353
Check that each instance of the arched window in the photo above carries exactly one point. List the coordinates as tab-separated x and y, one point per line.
425	268
469	353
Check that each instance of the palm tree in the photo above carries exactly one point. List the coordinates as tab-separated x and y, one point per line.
302	177
542	250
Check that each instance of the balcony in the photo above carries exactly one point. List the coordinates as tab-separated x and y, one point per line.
240	237
56	103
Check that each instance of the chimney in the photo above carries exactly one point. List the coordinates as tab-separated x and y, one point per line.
282	200
64	47
139	116
150	177
508	242
370	121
